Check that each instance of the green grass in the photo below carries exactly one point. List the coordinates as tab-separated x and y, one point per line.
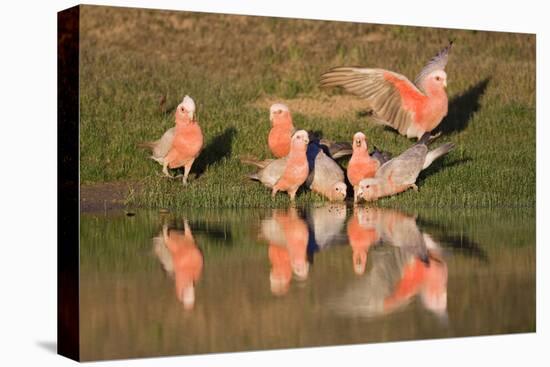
232	65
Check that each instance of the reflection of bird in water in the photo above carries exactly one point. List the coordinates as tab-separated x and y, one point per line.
412	265
325	225
362	234
401	230
180	257
287	235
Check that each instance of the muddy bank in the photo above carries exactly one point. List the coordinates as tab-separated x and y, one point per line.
107	196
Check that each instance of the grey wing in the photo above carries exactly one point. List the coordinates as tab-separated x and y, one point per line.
325	174
381	156
378	87
272	172
163	145
336	149
404	169
438	62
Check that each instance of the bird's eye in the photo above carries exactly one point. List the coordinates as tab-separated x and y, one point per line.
337	189
437	78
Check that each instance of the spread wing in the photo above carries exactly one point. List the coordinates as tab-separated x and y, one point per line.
438	62
391	96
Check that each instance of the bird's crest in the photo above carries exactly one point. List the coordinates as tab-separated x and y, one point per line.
438	62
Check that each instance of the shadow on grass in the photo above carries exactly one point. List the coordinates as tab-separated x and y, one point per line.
440	165
220	147
462	107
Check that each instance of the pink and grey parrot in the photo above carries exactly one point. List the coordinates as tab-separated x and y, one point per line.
325	177
411	108
400	173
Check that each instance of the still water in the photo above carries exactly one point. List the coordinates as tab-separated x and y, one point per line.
207	281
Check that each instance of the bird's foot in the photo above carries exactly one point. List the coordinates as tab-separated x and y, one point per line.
165	175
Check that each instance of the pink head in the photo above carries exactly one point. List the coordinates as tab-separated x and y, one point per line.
279	115
368	189
436	81
185	111
359	142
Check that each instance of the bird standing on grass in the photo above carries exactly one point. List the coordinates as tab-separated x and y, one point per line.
361	164
400	173
410	108
296	167
179	146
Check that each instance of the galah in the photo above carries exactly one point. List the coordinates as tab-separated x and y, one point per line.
296	167
361	164
282	129
181	258
400	173
179	146
411	108
325	176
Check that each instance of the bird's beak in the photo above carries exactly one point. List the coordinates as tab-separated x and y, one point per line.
358	143
445	83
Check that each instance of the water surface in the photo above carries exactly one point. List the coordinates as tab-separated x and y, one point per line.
207	281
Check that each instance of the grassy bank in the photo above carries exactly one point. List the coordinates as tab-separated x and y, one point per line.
235	67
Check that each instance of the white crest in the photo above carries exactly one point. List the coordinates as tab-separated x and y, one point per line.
359	135
277	107
189	105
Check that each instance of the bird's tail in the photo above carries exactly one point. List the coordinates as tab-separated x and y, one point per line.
338	149
253	176
428	138
255	161
381	156
436	153
146	145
